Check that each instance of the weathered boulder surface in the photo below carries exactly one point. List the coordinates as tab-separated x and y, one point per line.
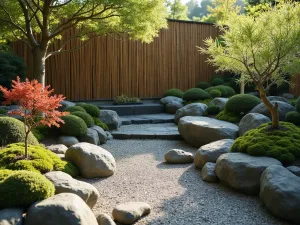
104	219
110	118
67	140
58	149
91	137
65	104
11	216
295	170
101	134
178	156
173	106
220	102
208	173
278	98
168	99
251	121
194	109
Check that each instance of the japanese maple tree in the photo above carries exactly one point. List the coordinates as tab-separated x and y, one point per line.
37	105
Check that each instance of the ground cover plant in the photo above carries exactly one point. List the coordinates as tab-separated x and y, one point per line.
125	99
195	94
174	92
93	110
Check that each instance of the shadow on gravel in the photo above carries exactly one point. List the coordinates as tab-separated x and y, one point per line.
167	166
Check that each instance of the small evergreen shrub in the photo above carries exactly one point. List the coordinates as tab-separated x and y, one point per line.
99	123
293	117
194	94
213	109
203	85
22	188
241	103
93	110
217	81
86	118
282	144
174	92
215	93
297	105
38	134
125	99
73	126
229	116
226	91
74	109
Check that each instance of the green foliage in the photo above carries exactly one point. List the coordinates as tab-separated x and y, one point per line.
22	188
297	105
174	92
229	116
99	123
74	109
12	131
126	99
213	109
217	81
194	94
203	85
73	126
282	144
206	101
37	134
241	103
3	111
215	93
177	10
226	91
293	117
89	121
40	160
93	110
293	101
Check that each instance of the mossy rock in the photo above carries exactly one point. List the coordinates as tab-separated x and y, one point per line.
174	92
22	188
282	144
40	160
215	93
89	121
203	85
229	116
99	123
73	126
12	131
217	81
93	110
206	101
194	94
74	109
226	91
212	110
293	117
241	103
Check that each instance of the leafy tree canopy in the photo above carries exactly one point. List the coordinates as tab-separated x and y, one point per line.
177	10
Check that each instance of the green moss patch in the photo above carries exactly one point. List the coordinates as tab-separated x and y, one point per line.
86	118
226	91
99	123
93	110
174	92
241	103
195	94
229	116
73	126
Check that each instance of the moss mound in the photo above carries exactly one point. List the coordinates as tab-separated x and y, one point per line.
215	93
229	116
40	160
203	85
241	103
226	91
217	81
297	105
99	123
212	110
93	110
74	109
12	131
73	126
194	94
282	144
22	188
174	92
293	117
89	121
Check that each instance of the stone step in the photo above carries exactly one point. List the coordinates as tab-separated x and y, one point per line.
147	119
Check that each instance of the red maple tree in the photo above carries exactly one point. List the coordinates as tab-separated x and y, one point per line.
37	105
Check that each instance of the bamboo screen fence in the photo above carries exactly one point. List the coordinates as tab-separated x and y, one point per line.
107	67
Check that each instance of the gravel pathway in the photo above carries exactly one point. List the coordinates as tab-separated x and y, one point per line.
176	193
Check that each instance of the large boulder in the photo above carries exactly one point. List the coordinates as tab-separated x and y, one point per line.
101	134
198	131
242	172
11	216
278	98
91	137
194	109
280	193
64	183
212	151
251	121
288	95
111	119
283	109
91	160
295	170
173	106
169	99
62	209
104	219
177	156
220	102
208	173
67	140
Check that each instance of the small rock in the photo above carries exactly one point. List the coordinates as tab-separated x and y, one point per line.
67	140
130	212
169	99
194	109
91	137
295	170
111	119
101	134
58	149
11	216
251	121
109	136
104	219
220	102
173	106
208	173
178	156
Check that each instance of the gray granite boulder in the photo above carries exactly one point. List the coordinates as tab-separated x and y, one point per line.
242	172
278	98
130	212
11	216
208	173
168	99
288	95
251	121
212	151
101	134
280	193
110	118
91	160
194	109
177	156
64	183
67	140
65	104
104	219
61	209
220	102
91	137
295	170
173	106
109	136
198	131
58	149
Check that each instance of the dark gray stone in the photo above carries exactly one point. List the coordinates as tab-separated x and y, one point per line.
91	137
110	118
194	109
251	121
168	99
295	170
101	134
220	102
65	104
208	173
177	156
67	140
11	216
288	95
173	106
278	98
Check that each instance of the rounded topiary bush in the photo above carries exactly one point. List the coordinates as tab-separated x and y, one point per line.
203	85
297	105
229	116
226	91
12	131
93	110
22	188
74	109
215	93
241	103
40	160
293	117
282	144
89	121
174	92
194	94
217	81
73	126
212	109
99	123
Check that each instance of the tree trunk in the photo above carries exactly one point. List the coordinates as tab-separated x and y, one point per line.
26	145
39	65
242	85
272	108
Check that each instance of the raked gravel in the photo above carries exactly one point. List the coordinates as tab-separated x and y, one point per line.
176	193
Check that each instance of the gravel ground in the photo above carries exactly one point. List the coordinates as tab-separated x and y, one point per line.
176	193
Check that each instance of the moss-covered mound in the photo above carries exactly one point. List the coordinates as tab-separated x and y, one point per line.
297	105
93	110
174	92
40	160
282	144
12	131
194	94
217	81
99	123
212	110
241	103
89	121
203	85
293	117
73	126
22	188
229	116
226	91
215	93
74	109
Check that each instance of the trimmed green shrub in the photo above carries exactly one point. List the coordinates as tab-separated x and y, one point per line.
174	92
74	109
217	81
293	101
203	85
99	123
12	131
293	117
93	110
3	111
297	105
241	103
194	94
229	116
73	126
86	118
40	160
282	144
213	109
22	188
215	93
226	91
37	134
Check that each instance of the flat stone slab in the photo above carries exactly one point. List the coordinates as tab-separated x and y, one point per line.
147	119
